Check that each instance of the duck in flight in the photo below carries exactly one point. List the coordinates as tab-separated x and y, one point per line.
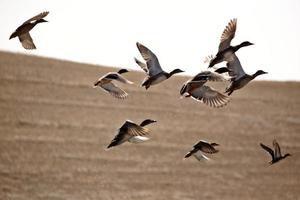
202	146
196	88
276	154
240	78
154	72
22	32
131	132
105	83
225	49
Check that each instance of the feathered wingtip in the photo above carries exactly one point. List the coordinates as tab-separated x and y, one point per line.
208	59
95	84
188	155
14	34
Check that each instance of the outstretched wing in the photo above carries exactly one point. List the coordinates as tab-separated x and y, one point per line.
142	65
209	96
209	76
151	60
114	90
26	41
37	17
115	76
276	149
269	150
235	67
228	35
133	129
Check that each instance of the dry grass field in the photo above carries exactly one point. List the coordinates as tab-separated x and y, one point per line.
54	128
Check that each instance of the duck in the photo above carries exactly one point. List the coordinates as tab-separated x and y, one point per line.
22	32
240	78
105	83
202	146
276	154
225	49
197	90
131	132
154	72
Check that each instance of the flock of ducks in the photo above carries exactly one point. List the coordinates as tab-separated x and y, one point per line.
194	88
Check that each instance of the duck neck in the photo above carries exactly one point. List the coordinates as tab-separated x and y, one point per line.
237	47
172	73
146	122
255	75
286	155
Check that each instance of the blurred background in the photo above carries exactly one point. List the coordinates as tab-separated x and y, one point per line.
54	126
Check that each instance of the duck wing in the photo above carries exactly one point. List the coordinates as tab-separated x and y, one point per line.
276	146
151	60
209	76
205	147
116	76
235	67
27	41
114	90
269	150
199	156
228	35
133	129
142	65
209	96
37	17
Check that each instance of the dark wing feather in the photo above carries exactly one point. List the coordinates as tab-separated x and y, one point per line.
269	150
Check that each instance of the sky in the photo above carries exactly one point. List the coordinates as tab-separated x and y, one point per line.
181	33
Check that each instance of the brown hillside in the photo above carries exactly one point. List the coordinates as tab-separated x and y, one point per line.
54	128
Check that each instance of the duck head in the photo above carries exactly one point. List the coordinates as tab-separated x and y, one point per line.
286	155
214	144
175	71
147	121
259	72
122	71
246	43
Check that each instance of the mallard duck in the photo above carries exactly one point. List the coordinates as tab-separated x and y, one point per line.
105	83
154	72
23	31
276	156
202	146
196	89
225	50
131	132
240	78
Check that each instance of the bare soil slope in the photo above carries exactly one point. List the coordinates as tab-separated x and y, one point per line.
54	128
